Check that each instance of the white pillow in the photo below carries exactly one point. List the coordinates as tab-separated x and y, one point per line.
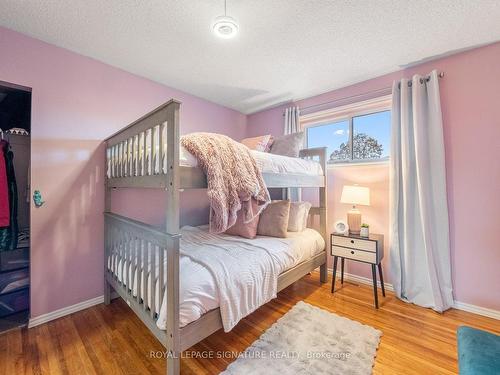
297	219
306	214
288	145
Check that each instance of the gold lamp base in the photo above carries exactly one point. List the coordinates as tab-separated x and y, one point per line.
354	221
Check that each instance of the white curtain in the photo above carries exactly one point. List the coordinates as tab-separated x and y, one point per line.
292	125
292	120
420	249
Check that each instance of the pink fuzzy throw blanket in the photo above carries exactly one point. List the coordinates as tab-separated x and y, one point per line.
232	176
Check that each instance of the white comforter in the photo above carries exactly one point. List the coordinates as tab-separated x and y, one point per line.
267	163
245	272
233	273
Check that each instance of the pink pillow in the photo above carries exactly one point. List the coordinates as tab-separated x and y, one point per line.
246	230
262	143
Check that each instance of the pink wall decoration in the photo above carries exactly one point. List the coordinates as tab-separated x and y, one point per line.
470	99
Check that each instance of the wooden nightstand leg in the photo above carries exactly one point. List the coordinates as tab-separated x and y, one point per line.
335	259
374	276
381	278
342	271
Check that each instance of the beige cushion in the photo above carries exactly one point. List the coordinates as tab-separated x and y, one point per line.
297	220
288	145
262	143
273	220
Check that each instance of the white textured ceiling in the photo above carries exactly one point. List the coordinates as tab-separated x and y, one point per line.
286	49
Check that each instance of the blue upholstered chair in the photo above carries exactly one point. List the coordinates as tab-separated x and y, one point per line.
478	352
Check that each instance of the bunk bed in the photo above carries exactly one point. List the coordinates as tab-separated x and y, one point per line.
147	154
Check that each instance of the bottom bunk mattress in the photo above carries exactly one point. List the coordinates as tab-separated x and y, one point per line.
253	264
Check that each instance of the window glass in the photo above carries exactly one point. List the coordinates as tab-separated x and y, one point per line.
372	136
335	136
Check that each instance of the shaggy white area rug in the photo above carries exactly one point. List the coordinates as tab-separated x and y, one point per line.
309	340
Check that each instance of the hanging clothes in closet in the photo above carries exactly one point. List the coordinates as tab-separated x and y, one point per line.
4	194
8	233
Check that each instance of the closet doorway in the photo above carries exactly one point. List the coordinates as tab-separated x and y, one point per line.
15	195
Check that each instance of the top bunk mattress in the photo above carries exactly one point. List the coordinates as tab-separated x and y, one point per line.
268	163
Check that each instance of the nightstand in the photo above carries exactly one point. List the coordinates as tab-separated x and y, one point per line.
360	249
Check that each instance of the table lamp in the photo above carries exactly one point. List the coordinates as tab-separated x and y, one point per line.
355	195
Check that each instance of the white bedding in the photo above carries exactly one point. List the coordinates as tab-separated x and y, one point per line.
250	279
268	163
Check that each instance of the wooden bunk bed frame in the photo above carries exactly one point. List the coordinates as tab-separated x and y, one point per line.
131	157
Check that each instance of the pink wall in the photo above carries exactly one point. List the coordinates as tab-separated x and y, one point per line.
77	102
470	98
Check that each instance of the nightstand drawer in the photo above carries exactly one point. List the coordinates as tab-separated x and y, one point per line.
355	243
363	256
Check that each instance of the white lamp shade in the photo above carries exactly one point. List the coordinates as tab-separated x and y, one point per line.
355	195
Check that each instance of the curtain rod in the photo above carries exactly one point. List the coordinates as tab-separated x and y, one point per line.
368	93
422	80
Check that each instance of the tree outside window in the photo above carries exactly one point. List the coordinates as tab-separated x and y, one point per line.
370	139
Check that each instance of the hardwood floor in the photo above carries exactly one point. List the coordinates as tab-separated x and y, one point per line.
112	340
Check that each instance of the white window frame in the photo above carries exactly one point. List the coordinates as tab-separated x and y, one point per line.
348	112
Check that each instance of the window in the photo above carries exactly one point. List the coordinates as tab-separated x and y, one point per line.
357	134
334	136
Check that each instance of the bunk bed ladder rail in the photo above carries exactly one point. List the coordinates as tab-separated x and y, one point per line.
145	154
321	210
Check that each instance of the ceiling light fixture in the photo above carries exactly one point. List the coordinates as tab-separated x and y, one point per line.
225	26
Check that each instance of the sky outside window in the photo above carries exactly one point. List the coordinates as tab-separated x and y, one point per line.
372	134
375	125
329	135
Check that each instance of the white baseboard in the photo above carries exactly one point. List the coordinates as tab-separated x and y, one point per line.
366	280
45	318
490	313
33	322
483	311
